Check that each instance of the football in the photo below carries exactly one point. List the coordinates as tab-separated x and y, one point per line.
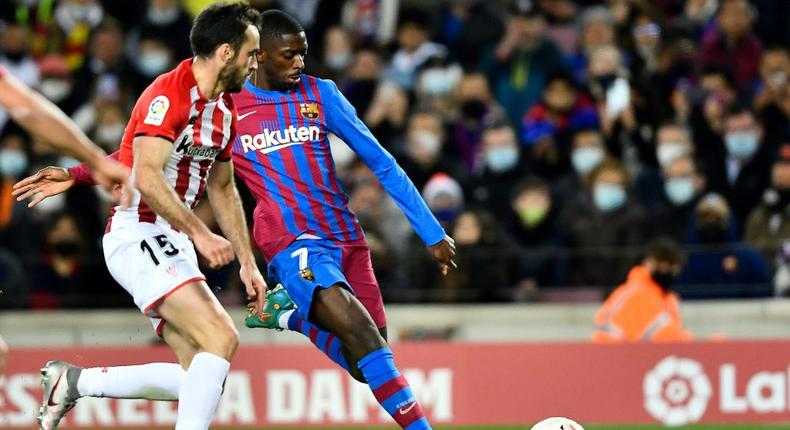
557	423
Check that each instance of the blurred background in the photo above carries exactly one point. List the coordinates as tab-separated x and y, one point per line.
555	140
552	138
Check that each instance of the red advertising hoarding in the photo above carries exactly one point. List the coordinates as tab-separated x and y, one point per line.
457	383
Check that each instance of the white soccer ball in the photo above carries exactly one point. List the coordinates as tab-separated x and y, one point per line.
557	423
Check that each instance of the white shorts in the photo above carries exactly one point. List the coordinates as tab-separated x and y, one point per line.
151	262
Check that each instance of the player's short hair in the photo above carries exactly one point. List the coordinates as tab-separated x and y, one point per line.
665	249
274	24
221	23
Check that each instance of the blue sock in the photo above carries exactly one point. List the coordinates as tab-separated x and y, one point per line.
323	340
392	390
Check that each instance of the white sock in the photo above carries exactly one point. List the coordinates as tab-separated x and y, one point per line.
284	317
200	391
154	381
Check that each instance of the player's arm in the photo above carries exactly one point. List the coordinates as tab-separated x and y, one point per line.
43	119
226	205
53	180
150	156
343	121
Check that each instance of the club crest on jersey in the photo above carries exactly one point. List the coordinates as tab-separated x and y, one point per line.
307	274
157	110
309	110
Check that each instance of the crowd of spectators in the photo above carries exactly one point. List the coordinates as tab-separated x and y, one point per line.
551	138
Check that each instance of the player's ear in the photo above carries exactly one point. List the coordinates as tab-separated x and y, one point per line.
225	52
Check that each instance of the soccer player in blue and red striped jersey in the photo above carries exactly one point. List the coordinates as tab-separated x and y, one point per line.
302	223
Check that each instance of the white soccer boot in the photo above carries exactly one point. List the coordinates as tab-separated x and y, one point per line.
60	393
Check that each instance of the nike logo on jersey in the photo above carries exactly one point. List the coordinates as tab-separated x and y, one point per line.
273	140
241	117
404	411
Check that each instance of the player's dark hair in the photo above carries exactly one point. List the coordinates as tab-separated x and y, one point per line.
740	108
665	249
274	24
220	23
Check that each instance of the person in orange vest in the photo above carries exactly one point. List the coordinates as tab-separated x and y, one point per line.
644	308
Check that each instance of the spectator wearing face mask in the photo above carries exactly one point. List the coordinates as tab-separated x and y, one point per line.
476	108
644	308
772	99
718	265
483	269
436	87
533	226
16	58
445	199
424	150
586	154
504	167
338	52
731	43
604	229
745	171
596	29
622	109
153	58
414	48
57	83
682	186
768	225
17	226
673	141
548	126
707	105
166	21
106	72
67	275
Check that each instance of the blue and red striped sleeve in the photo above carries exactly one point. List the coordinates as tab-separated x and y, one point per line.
342	119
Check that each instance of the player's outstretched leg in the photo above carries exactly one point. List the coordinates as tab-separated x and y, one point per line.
64	383
339	312
279	313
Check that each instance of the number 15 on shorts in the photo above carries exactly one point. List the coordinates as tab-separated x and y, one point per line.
164	245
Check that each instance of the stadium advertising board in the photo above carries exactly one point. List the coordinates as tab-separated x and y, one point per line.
457	383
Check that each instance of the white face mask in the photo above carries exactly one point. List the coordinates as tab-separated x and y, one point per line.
425	143
56	90
13	162
153	63
110	134
741	144
338	61
586	159
667	152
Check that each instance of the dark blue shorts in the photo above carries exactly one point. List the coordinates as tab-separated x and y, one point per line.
308	264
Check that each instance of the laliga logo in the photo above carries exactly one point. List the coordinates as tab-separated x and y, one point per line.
676	391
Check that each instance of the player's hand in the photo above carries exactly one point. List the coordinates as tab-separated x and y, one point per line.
444	252
110	174
256	287
214	248
47	182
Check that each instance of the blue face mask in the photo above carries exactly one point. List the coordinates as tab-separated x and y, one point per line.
13	162
446	215
608	197
679	190
741	144
501	159
586	159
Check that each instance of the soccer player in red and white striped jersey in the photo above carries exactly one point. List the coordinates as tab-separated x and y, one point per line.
177	144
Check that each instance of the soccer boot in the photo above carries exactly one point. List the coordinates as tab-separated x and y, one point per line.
277	302
60	392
